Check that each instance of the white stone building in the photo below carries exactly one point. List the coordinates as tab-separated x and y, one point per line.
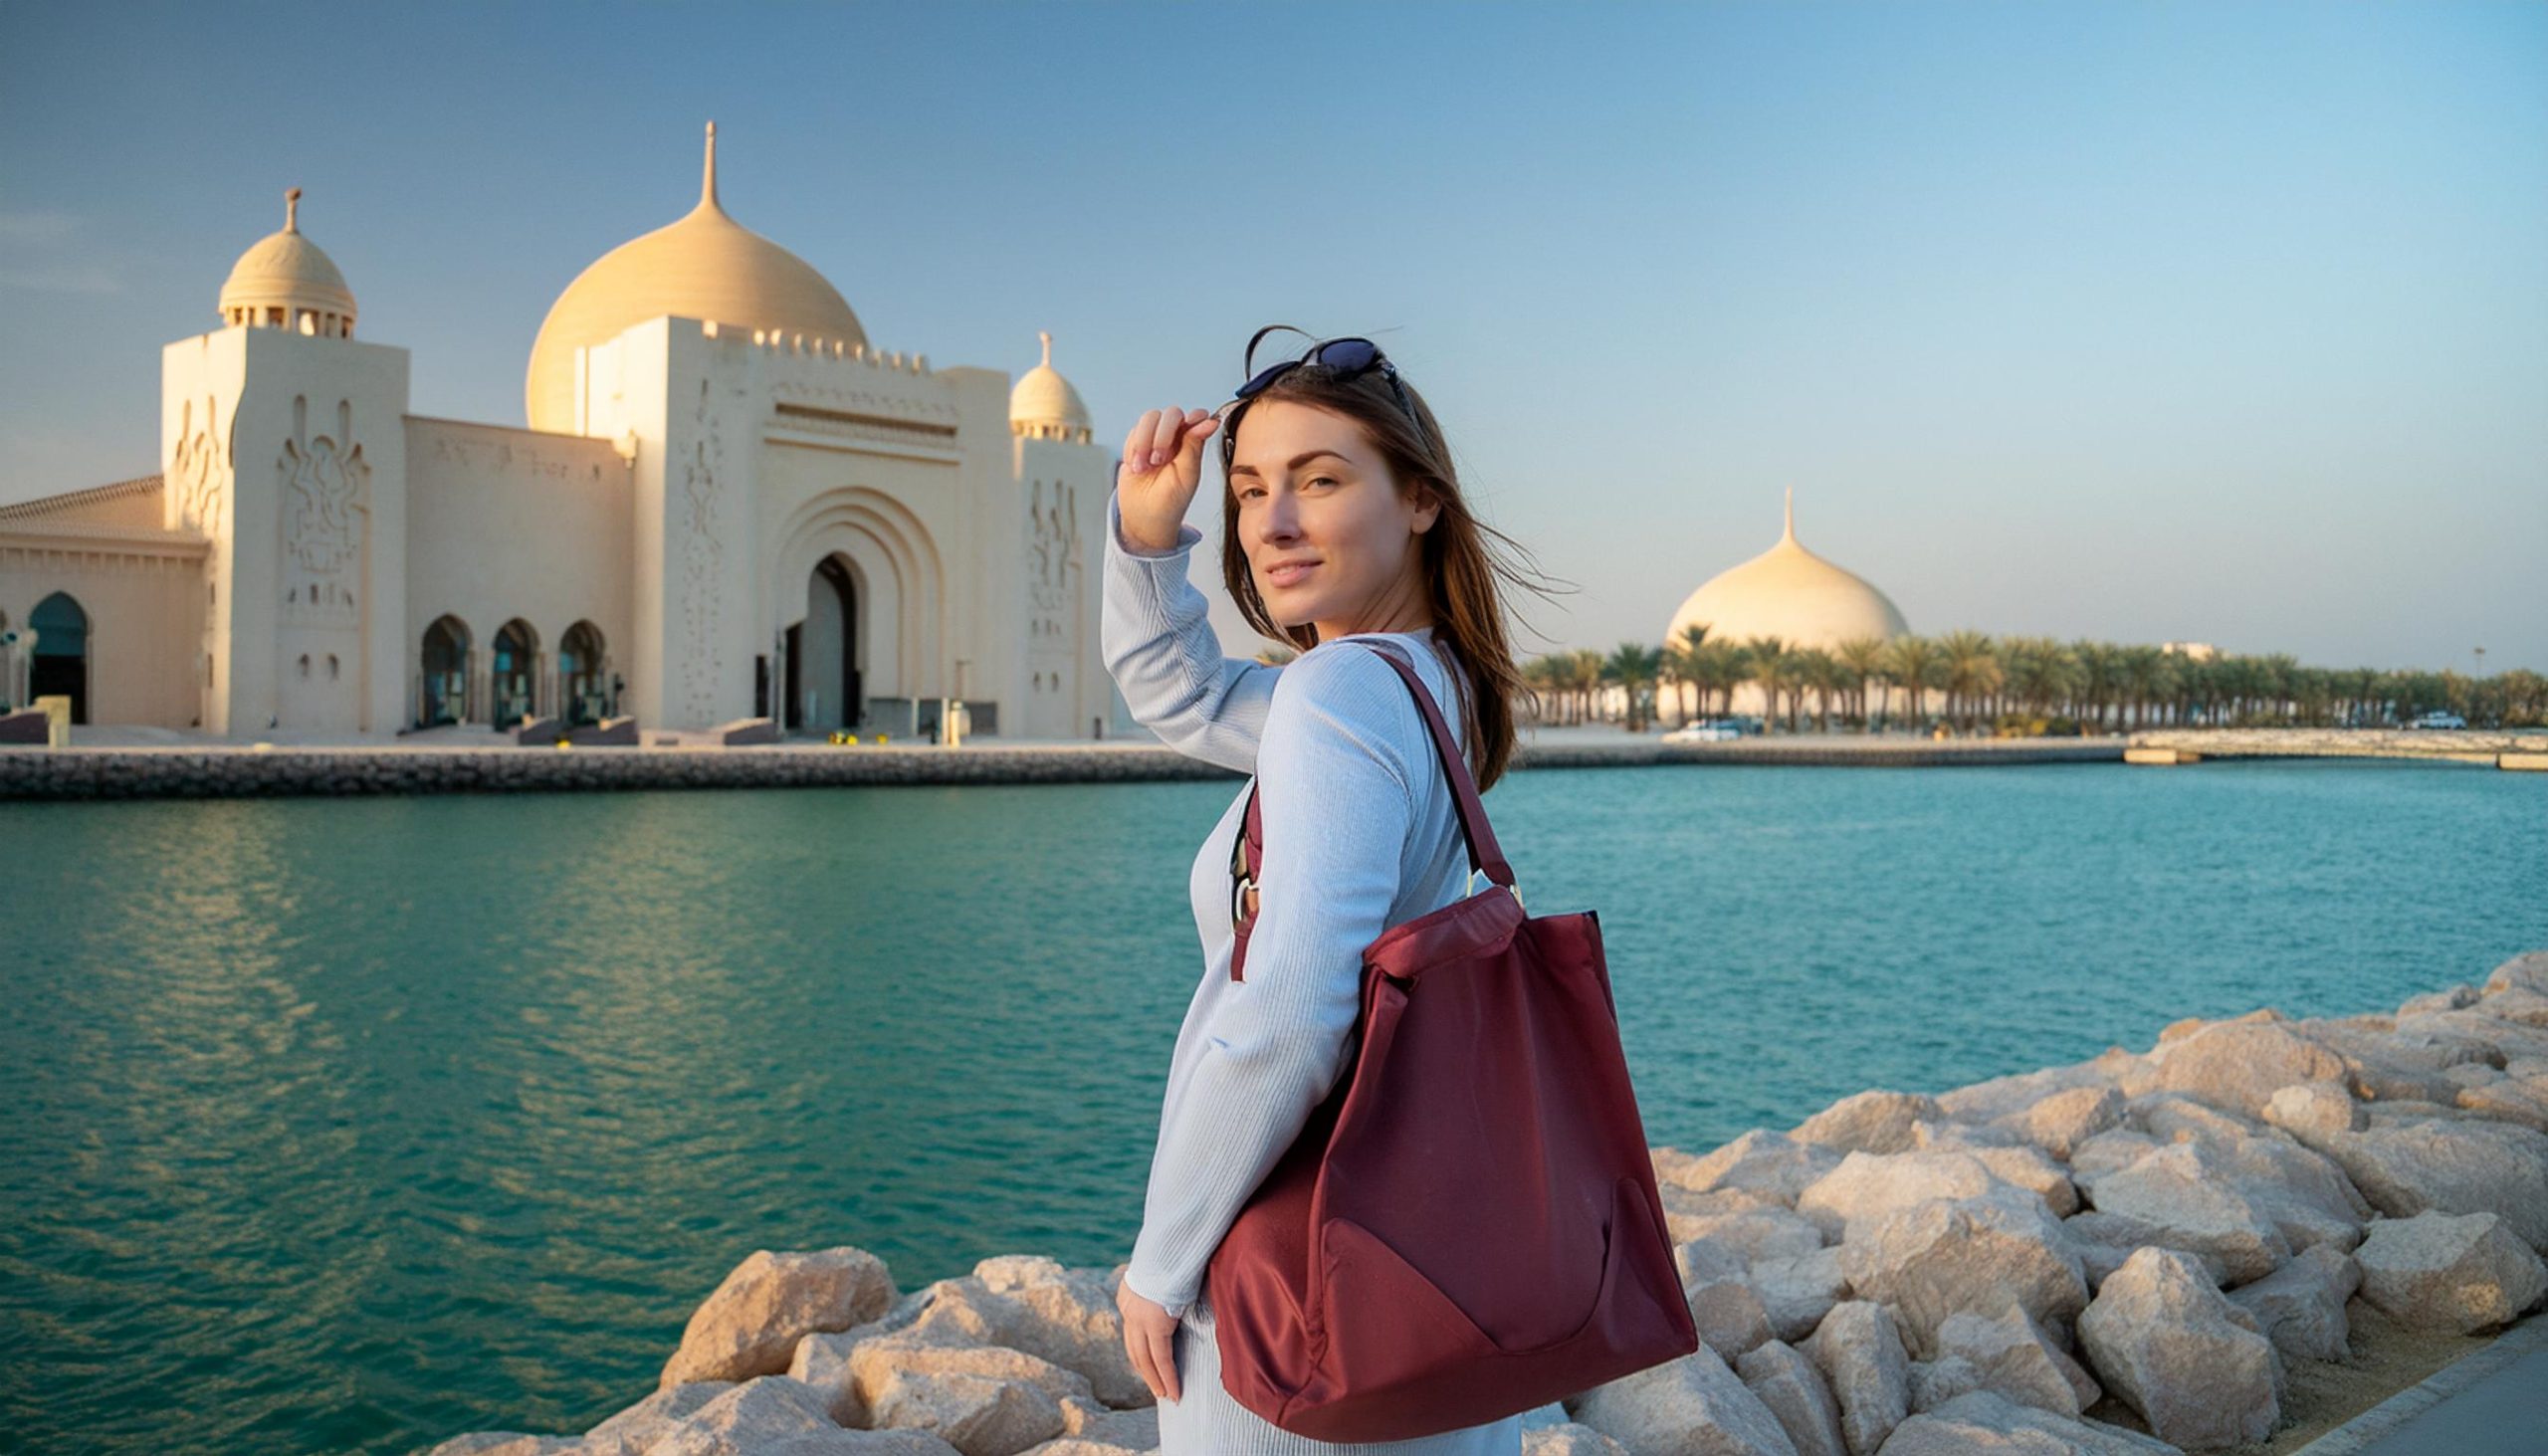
728	504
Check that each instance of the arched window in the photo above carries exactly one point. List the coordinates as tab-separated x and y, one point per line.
517	672
579	675
331	667
60	665
443	696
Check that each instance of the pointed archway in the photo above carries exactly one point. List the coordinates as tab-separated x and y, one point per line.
444	695
60	665
824	691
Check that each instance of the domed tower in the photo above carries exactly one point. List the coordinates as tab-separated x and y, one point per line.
704	266
1044	406
288	281
1790	593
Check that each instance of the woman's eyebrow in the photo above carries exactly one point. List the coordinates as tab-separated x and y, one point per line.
1295	462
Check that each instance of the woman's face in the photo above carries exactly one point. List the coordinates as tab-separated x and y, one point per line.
1330	538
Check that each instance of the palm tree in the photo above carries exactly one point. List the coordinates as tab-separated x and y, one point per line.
1972	668
1633	668
1769	665
1586	678
1825	674
1864	658
1913	661
1689	659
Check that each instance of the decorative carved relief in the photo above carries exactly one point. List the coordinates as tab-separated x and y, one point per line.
701	555
326	504
199	476
1053	568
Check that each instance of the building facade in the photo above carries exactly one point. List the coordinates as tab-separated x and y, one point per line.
728	504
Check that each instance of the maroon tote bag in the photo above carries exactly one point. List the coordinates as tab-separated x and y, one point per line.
1468	1226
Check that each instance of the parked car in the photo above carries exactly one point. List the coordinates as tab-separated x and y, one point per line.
2438	719
1706	731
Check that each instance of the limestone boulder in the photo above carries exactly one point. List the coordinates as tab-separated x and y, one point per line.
1936	1258
1789	1382
2315	1107
2240	1065
1570	1439
982	1400
1934	1382
2182	1204
2517	1004
2457	1272
1796	1293
2017	1358
2009	1157
1981	1423
2527	971
745	1418
1754	1234
1726	1309
2067	1119
1867	1186
1693	1405
1091	1420
749	1326
635	1430
2008	1096
1760	1161
1869	1122
2442	1165
2462	994
2301	1307
2504	1098
1859	1349
1035	1305
2162	1338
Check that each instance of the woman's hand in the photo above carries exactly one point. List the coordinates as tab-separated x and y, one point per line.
1150	1335
1162	464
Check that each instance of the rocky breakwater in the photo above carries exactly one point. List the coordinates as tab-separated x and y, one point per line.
2129	1254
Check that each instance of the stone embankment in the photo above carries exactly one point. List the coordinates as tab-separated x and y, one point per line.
2144	1252
246	772
2449	743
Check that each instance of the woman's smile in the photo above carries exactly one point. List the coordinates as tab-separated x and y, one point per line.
1289	572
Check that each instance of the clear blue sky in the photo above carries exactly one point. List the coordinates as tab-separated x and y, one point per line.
2132	321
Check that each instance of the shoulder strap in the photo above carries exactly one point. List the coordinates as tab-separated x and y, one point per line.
1485	855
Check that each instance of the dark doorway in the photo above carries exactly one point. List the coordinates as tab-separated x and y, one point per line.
60	665
445	699
822	655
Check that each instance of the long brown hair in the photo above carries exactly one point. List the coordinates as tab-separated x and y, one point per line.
1461	568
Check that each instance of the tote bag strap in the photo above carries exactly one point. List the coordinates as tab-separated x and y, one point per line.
1485	855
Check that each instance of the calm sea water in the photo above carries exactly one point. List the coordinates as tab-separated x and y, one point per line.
351	1125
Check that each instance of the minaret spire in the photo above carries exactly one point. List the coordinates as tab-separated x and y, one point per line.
708	181
292	209
1791	531
1046	335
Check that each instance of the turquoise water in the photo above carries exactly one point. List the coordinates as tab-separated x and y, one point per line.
351	1125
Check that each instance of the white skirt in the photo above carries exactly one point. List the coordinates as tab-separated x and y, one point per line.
1205	1421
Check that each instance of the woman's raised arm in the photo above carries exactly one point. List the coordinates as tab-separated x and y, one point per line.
1155	631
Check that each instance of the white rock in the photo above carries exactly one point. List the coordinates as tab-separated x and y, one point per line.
2010	1159
1693	1405
1570	1440
1759	1160
2064	1120
2016	1359
751	1324
2240	1066
2316	1106
1726	1309
1936	1258
2527	971
2301	1306
1860	1352
1869	1122
1791	1385
632	1431
1867	1186
2441	1271
2191	1207
1980	1423
1798	1292
2165	1341
745	1418
2448	1167
1934	1382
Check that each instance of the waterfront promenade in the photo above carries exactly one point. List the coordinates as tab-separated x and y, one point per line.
2249	1238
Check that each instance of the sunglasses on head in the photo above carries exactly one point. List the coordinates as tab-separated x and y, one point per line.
1345	358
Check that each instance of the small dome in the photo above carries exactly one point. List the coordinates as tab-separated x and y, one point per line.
1044	403
704	266
288	281
1790	593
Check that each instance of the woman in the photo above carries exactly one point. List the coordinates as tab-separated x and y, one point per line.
1343	522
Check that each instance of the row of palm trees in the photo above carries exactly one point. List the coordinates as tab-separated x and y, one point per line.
1971	677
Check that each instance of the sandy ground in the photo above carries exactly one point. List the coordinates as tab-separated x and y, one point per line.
2324	1394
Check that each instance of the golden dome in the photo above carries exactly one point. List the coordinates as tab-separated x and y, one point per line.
1044	403
1790	593
706	266
285	278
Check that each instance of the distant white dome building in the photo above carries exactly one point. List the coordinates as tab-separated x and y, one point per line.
288	281
1044	406
1790	593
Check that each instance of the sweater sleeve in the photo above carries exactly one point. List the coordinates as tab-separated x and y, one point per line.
1332	785
1160	645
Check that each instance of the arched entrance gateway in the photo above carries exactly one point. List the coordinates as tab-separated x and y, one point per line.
515	682
444	695
62	653
824	691
585	694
